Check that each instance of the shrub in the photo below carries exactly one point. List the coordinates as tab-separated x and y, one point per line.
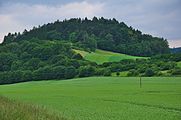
117	73
176	71
85	71
149	72
70	72
133	72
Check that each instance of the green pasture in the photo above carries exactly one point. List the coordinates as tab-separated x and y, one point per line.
104	98
101	56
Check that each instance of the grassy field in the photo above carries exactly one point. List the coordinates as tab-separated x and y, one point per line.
12	110
104	98
101	56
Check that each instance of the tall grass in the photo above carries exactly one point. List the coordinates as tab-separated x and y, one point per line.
13	110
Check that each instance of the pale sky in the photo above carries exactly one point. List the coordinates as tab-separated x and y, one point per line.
161	18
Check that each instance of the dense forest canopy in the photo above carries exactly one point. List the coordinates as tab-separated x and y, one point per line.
101	33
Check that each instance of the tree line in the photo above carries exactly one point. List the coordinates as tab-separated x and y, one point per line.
36	59
159	65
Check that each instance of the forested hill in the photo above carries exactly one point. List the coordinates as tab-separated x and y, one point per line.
101	33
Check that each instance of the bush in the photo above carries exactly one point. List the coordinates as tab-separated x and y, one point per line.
85	71
117	73
103	72
70	72
11	77
133	72
176	71
44	73
149	72
77	56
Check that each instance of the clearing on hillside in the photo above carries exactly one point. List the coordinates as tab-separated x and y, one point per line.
179	64
104	98
101	56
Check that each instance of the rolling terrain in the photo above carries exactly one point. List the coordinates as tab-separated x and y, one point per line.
104	98
46	73
102	56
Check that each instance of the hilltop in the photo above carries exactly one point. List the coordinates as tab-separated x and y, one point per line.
98	33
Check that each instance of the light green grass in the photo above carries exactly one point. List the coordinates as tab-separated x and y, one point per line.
101	56
121	74
104	98
179	64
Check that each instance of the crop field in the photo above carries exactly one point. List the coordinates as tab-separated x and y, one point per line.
104	98
101	56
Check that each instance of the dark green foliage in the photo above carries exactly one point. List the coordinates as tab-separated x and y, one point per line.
176	71
168	57
106	34
32	64
155	66
11	77
70	72
103	71
149	72
40	60
86	71
6	59
117	73
77	56
133	72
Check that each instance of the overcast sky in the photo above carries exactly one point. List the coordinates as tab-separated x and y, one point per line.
160	18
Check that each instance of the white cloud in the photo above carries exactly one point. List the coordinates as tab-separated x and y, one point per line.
174	43
8	24
156	17
159	18
24	16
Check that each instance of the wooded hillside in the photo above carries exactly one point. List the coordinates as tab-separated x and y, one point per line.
101	33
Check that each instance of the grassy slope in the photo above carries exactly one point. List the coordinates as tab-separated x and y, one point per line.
12	110
101	56
104	98
179	64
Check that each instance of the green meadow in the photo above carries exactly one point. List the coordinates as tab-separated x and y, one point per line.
101	56
103	98
179	64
